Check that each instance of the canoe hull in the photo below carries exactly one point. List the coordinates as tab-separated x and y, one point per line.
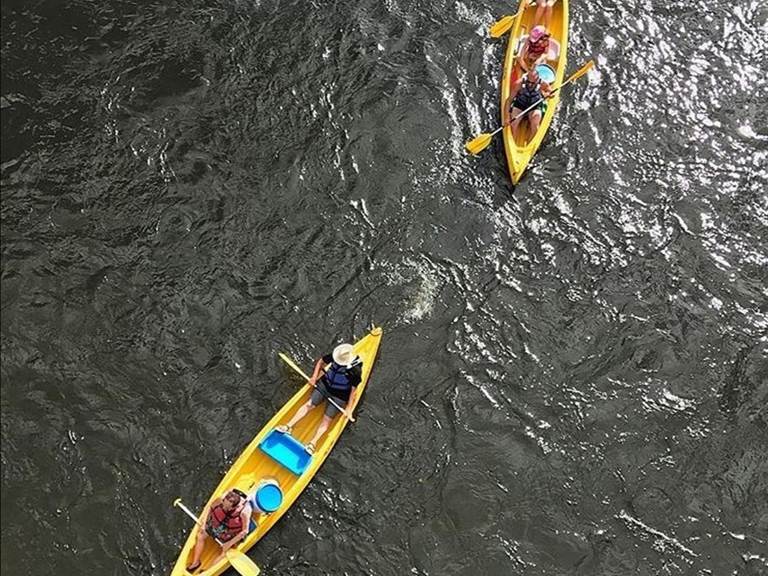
253	465
518	152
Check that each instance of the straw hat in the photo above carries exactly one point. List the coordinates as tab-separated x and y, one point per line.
343	354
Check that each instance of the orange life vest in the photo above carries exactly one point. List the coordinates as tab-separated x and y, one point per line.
225	525
536	49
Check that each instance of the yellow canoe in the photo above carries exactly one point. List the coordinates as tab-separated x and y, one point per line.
254	465
519	153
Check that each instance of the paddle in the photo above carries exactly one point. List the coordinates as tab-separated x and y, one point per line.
293	365
480	143
239	561
501	26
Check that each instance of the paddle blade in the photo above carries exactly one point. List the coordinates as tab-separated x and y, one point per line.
293	365
242	563
502	26
580	72
479	143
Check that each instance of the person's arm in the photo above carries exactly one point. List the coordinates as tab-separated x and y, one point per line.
515	88
351	401
240	536
207	510
356	379
546	90
318	369
508	104
522	57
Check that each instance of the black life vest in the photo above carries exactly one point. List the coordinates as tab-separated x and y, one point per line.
529	93
338	379
226	525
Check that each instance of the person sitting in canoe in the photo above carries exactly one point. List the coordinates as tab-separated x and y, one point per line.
527	91
536	49
227	521
337	385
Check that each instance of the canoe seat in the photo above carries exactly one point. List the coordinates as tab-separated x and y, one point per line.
287	451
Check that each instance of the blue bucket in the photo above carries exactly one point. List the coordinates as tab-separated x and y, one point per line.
546	73
268	497
286	450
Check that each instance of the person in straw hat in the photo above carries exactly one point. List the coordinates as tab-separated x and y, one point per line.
338	383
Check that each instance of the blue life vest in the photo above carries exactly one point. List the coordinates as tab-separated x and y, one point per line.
337	379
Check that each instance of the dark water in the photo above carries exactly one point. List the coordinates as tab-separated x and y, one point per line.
573	377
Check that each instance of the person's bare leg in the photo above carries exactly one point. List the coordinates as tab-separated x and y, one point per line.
534	120
300	414
548	13
544	9
516	122
201	537
326	421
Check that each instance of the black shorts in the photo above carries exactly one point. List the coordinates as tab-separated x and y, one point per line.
321	393
542	107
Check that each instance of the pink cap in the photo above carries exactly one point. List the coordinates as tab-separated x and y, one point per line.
538	32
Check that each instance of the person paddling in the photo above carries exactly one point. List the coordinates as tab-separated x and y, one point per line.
338	383
227	521
527	91
535	50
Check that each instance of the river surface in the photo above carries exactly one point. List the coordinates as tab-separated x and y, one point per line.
573	378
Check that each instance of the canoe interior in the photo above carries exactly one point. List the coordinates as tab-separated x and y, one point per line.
253	465
518	151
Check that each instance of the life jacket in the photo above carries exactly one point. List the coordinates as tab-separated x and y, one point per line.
338	379
528	94
226	525
536	49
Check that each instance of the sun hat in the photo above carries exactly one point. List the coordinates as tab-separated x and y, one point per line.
538	32
343	355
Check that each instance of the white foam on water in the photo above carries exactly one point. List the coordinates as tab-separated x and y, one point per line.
420	303
674	401
682	223
531	354
455	123
748	132
658	533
